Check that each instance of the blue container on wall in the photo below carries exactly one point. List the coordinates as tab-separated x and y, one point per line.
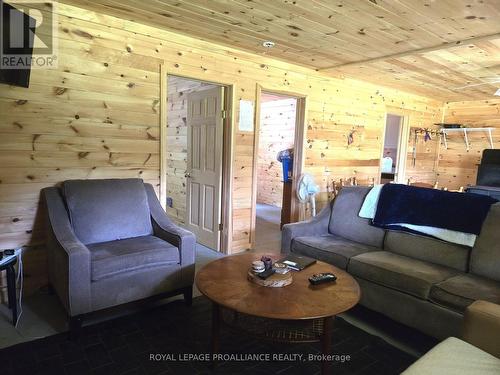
287	163
285	157
287	169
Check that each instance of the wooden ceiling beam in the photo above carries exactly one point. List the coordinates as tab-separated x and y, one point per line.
414	52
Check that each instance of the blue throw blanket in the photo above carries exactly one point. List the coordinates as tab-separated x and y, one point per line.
462	212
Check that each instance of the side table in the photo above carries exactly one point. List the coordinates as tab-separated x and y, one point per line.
11	286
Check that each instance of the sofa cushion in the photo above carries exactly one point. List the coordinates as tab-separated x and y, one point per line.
461	290
485	255
398	272
330	248
115	257
107	210
345	221
428	249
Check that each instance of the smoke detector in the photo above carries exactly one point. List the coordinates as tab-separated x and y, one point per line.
268	44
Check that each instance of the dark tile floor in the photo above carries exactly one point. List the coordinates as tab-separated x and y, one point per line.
124	345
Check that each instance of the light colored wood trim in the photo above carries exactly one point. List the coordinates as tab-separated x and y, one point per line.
255	165
298	162
413	52
402	142
163	135
228	156
404	130
382	146
299	152
227	170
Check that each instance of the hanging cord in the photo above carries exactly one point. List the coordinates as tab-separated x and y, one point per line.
20	280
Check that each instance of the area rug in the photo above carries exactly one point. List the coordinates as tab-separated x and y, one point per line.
175	339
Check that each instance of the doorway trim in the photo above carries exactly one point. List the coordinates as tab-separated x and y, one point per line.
404	135
298	158
227	152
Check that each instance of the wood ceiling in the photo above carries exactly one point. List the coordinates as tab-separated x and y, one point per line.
446	49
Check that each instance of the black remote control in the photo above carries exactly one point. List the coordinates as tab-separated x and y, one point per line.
321	278
264	275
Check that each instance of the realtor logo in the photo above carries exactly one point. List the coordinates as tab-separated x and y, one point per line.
28	34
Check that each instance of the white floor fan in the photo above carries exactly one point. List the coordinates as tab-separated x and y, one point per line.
306	191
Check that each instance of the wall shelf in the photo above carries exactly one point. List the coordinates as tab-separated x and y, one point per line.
464	131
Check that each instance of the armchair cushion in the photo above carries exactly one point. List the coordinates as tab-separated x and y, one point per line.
122	256
107	210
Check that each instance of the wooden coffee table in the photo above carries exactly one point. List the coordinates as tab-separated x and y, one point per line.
299	312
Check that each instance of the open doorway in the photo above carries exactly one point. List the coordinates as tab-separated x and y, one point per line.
279	115
390	164
195	154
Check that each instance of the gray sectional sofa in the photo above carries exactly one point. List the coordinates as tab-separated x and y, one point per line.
416	280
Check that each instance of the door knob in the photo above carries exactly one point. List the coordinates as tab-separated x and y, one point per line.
187	175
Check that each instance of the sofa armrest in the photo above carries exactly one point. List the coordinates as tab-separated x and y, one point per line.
164	228
316	226
482	326
69	259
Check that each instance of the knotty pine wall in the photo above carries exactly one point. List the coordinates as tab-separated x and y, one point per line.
98	115
277	132
177	144
425	167
457	166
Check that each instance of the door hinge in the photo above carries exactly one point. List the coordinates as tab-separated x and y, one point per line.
223	114
221	226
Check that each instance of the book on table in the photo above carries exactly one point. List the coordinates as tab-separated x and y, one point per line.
297	262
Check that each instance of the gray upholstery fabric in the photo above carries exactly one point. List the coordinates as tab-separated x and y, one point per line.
460	291
316	226
345	221
183	239
107	210
114	257
135	285
133	268
69	259
329	248
485	256
432	319
398	272
428	249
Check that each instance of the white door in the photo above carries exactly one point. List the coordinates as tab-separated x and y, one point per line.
204	167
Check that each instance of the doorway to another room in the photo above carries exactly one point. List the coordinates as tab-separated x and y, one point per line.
391	165
195	157
278	119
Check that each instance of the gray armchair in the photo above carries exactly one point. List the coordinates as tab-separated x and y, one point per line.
110	242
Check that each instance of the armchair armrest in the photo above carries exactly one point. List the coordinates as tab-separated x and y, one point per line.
482	326
69	259
316	226
165	229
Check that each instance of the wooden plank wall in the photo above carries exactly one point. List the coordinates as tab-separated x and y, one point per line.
177	144
335	159
277	130
424	169
456	166
98	115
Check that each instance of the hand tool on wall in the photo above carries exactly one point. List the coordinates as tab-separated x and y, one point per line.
415	148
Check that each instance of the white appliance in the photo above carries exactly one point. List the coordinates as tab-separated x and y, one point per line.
307	190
